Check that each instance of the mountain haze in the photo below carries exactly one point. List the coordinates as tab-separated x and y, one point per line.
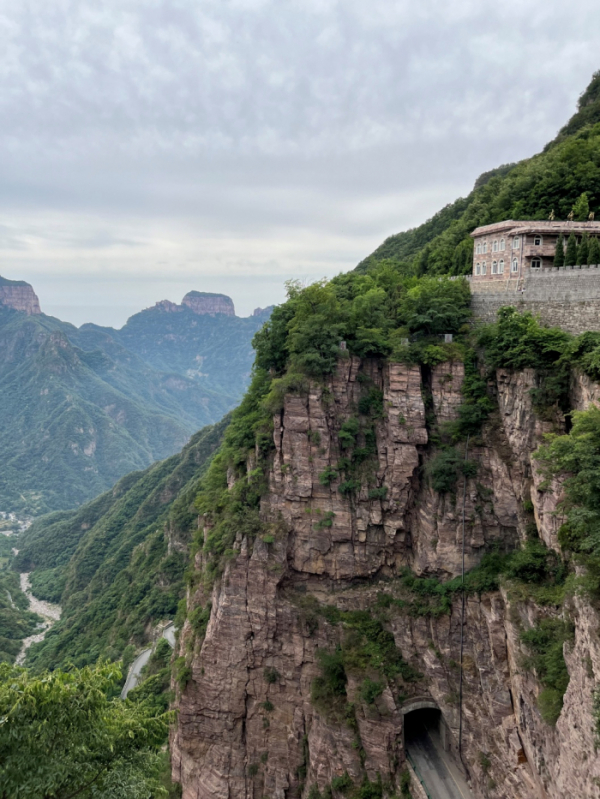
82	407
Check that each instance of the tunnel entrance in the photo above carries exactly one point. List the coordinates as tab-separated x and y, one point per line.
431	751
425	721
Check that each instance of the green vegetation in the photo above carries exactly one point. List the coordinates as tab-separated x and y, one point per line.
154	689
97	403
533	569
62	735
564	177
16	621
545	642
366	648
301	341
517	341
109	562
577	455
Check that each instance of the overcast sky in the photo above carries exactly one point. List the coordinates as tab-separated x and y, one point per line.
152	147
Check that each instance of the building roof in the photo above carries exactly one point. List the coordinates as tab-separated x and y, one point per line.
512	227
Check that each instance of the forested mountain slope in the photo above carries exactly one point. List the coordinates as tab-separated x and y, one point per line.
551	181
82	407
116	564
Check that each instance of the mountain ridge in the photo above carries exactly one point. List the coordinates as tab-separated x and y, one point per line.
95	403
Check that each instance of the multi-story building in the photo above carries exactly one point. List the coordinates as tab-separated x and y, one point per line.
509	249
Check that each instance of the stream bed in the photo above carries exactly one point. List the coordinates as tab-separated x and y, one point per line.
49	612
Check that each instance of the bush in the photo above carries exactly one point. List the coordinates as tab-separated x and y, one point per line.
330	686
545	642
370	690
518	341
328	476
442	470
271	675
349	432
342	784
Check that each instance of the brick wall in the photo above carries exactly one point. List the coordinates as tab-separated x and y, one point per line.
568	297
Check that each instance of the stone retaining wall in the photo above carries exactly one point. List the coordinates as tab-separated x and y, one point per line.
568	297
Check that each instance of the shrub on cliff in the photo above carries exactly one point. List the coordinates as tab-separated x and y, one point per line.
518	341
545	643
577	456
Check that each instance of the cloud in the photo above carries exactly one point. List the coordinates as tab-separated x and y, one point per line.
261	137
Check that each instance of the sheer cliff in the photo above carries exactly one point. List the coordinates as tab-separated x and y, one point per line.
335	612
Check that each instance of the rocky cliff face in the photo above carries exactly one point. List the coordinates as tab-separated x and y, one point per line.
19	296
247	724
204	303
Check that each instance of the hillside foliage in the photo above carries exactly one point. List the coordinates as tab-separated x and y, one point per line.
117	564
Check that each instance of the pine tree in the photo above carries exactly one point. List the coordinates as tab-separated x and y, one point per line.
571	253
581	208
559	252
594	254
583	250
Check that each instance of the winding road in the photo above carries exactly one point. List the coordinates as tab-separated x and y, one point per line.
135	670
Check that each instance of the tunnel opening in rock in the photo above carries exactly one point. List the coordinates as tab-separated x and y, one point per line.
431	750
417	723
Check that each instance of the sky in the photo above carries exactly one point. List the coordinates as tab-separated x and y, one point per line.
151	148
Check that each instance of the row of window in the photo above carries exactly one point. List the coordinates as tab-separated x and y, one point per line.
497	267
499	246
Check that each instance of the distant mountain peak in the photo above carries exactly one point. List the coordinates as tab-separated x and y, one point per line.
202	302
19	295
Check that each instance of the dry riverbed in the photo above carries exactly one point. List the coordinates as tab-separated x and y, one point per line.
49	612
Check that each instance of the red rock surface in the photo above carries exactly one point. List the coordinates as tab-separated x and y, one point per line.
227	745
20	297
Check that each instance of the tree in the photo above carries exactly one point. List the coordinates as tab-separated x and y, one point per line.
559	252
436	305
581	208
61	737
571	253
583	250
594	254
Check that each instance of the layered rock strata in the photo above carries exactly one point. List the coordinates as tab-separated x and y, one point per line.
247	726
19	296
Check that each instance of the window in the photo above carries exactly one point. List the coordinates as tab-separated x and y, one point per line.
502	246
495	268
495	247
535	263
501	266
515	265
483	268
478	248
537	241
517	243
478	269
485	246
